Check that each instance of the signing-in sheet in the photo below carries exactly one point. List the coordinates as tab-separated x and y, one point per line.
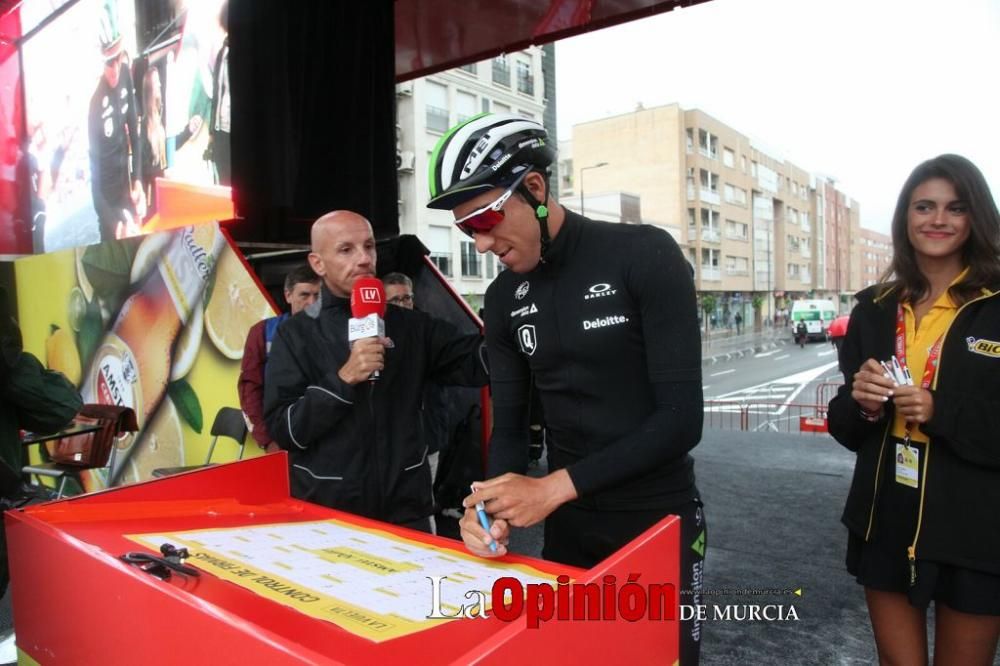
371	582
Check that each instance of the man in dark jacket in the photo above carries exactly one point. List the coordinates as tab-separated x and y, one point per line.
32	398
355	444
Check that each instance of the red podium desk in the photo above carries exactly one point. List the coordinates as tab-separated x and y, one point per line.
76	603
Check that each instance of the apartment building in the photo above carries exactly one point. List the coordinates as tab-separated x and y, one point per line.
875	253
425	109
754	226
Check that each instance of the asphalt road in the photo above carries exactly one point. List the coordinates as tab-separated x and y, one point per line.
784	373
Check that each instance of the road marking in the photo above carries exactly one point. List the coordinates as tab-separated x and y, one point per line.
767	353
778	358
724	372
827	353
795	383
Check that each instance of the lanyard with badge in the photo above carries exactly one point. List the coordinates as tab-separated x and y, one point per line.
907	456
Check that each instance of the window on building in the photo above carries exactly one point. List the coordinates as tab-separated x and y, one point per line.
470	68
736	195
709	181
743	163
793	272
709	258
486	105
465	106
439	243
736	230
526	114
728	158
691	218
501	71
470	260
708	144
525	79
690	140
437	107
739	266
500	108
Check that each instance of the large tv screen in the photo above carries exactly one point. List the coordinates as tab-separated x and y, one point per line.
107	118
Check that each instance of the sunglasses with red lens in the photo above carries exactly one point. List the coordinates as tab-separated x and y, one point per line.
484	219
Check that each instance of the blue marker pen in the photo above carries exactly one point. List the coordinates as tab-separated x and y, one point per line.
484	520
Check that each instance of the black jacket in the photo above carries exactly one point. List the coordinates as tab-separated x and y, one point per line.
960	503
607	330
361	448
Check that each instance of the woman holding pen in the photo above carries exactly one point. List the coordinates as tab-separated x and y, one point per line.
923	512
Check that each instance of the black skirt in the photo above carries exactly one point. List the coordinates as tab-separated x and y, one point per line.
882	563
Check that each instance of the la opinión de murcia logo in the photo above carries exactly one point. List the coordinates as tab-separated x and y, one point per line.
602	600
541	602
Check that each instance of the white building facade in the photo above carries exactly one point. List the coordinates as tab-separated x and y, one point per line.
426	109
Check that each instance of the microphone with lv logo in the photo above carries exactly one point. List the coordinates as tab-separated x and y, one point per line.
367	312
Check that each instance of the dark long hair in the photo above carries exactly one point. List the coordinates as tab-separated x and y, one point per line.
981	252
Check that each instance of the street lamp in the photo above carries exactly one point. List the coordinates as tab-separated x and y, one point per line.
582	169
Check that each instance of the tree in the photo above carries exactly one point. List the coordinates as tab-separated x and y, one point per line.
758	302
708	303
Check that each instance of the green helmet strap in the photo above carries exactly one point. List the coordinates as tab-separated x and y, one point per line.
541	214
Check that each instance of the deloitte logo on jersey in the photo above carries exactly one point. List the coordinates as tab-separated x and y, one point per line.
604	322
599	291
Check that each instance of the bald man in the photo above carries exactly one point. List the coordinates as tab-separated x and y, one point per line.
352	443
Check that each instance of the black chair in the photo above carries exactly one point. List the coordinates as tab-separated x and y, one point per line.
229	422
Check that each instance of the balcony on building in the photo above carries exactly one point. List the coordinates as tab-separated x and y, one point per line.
712	273
710	197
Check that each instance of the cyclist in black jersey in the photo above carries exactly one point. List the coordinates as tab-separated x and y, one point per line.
603	316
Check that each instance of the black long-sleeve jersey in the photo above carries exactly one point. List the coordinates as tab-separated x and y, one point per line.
608	327
115	152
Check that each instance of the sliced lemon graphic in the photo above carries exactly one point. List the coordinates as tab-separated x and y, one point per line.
149	254
187	347
81	275
234	306
160	445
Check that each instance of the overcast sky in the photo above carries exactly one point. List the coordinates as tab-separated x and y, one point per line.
861	90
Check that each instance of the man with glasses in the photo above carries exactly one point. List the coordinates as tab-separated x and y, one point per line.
113	129
603	316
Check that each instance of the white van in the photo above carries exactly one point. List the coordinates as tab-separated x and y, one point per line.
817	314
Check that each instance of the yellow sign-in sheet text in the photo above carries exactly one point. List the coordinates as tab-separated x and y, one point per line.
370	582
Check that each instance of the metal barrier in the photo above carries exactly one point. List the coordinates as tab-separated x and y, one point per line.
758	416
825	393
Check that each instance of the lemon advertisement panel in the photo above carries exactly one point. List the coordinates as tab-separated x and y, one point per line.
156	323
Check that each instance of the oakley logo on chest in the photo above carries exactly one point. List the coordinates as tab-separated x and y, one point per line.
599	291
526	339
524	311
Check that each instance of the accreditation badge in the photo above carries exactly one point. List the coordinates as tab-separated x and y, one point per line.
907	463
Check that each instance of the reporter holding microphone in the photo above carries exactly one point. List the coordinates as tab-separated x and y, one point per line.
344	384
